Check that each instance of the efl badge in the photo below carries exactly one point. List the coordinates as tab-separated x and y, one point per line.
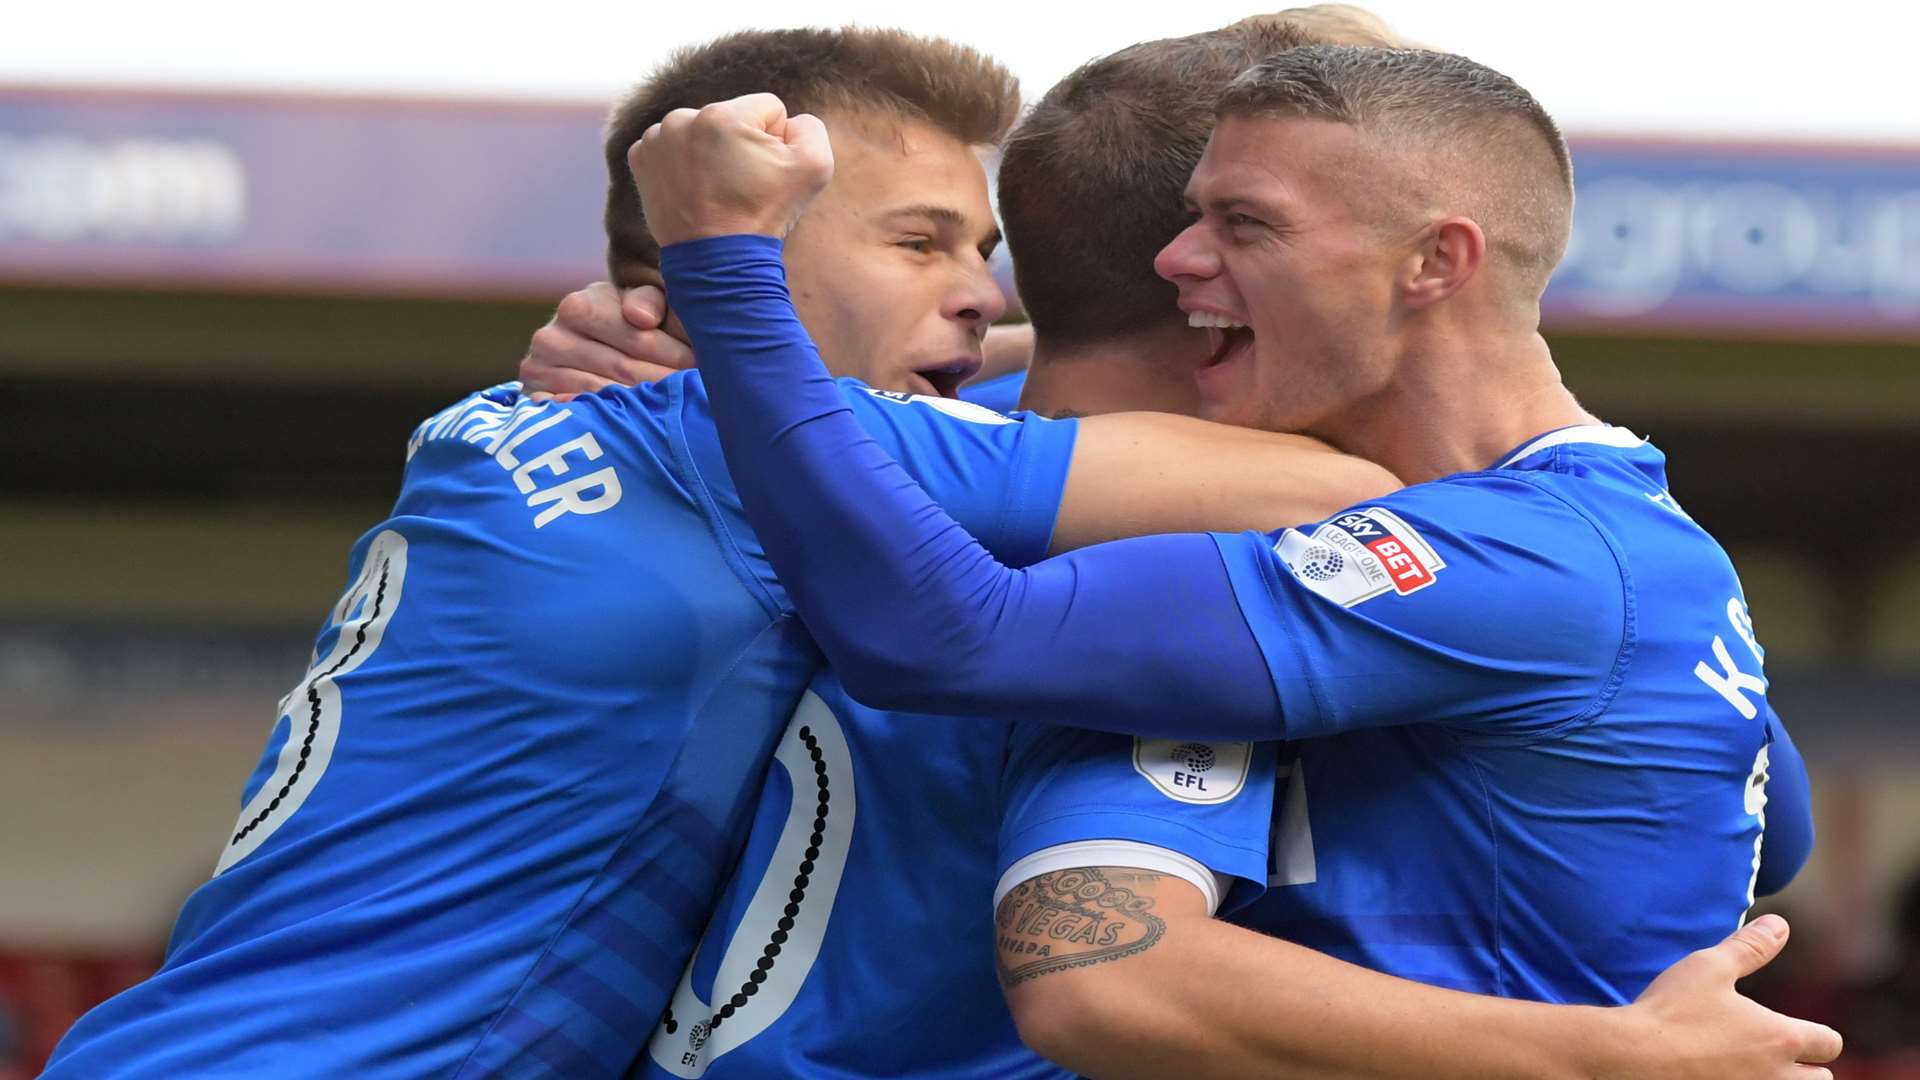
1360	555
1193	772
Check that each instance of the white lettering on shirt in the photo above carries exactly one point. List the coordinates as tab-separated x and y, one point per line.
501	431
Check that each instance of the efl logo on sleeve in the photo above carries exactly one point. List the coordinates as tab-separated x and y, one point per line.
1193	772
1360	555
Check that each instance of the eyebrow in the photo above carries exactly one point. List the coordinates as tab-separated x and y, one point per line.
945	215
1232	202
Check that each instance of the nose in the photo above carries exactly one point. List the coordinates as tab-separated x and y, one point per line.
977	299
1187	255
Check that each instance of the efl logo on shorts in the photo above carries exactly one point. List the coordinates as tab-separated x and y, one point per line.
1360	555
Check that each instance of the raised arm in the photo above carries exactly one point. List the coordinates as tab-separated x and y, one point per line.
1144	635
1174	992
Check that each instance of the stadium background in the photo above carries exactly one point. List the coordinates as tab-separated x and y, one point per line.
223	308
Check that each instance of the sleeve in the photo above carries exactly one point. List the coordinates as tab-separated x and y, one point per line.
1482	602
1788	839
1142	636
1197	810
1000	476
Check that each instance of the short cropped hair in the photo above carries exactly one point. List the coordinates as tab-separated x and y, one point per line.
1091	181
888	74
1498	154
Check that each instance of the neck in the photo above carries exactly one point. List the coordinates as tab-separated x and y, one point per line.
1457	406
1151	371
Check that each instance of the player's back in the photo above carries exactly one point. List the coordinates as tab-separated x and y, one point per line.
490	824
855	939
869	868
548	677
1570	855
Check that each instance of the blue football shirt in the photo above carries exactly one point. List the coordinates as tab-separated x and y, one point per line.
493	816
1572	648
1539	703
856	937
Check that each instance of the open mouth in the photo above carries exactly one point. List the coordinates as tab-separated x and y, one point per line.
945	380
1228	336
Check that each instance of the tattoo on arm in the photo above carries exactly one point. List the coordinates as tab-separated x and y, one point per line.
1075	918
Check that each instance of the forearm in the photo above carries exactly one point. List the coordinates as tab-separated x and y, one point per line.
1135	474
1118	972
910	610
1006	350
1215	1000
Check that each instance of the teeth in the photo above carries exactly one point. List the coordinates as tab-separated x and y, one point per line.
1213	321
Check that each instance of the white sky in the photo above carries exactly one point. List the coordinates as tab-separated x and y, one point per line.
1834	70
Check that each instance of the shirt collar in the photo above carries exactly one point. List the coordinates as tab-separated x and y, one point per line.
1596	434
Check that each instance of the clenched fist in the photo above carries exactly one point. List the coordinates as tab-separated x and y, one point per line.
737	166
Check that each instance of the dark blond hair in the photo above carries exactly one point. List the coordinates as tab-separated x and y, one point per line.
1091	181
888	74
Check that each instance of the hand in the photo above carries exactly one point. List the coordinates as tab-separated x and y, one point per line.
1696	1024
736	166
600	337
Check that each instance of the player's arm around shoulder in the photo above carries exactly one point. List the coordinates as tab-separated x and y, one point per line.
1135	474
1116	972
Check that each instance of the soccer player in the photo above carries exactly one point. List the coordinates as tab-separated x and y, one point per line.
922	824
493	817
881	965
1559	708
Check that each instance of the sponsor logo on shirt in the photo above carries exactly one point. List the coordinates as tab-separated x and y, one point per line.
1193	772
1360	555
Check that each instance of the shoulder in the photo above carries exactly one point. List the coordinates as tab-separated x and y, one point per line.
1484	539
923	408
